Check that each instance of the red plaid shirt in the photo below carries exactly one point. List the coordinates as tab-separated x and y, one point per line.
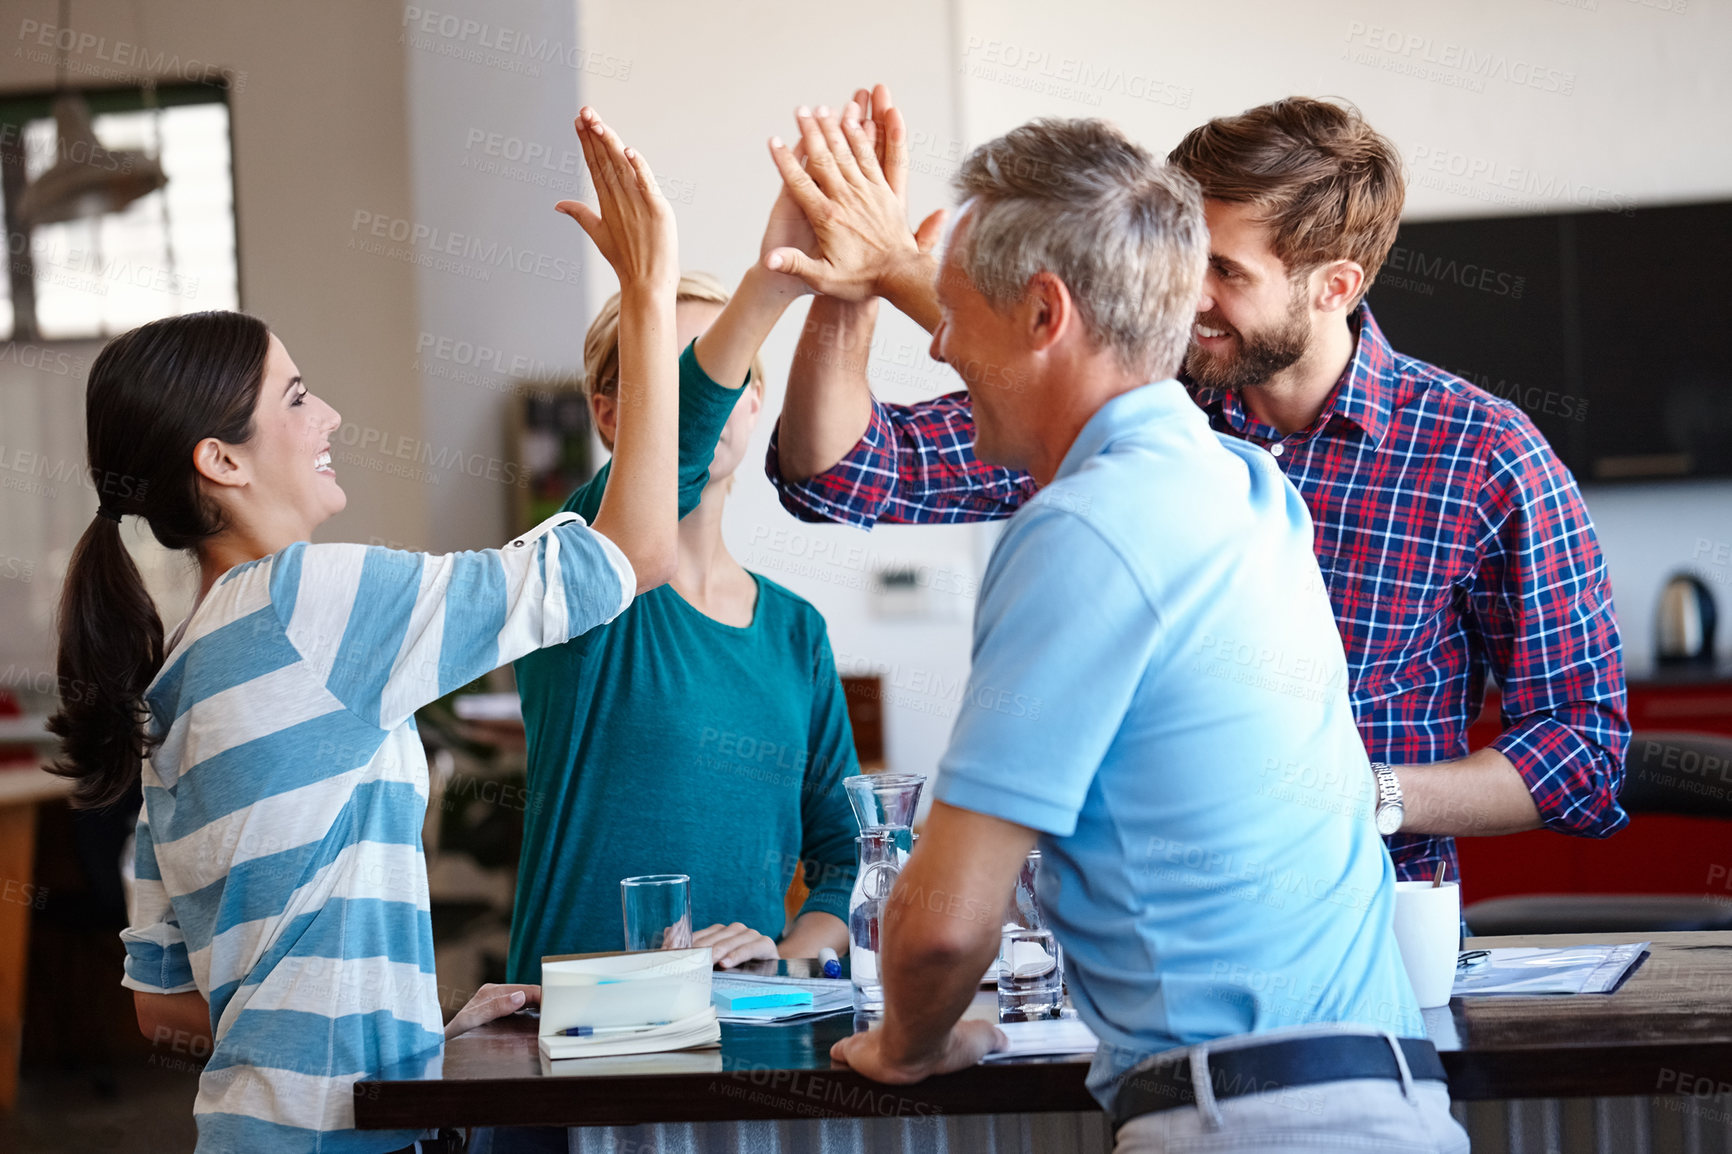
1453	541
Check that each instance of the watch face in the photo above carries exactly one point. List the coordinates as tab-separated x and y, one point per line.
1389	819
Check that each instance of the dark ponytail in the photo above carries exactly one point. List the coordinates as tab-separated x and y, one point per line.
154	394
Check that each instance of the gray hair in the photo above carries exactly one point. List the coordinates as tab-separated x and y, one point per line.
1124	233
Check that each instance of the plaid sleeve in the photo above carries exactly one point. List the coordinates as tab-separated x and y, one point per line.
1545	608
915	466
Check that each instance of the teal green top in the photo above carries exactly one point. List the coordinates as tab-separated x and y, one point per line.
668	742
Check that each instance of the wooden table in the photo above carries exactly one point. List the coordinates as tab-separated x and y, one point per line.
1666	1028
21	791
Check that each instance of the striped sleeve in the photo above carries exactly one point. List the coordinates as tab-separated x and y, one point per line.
156	953
388	631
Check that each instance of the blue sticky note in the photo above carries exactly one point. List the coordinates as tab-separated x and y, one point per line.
762	1001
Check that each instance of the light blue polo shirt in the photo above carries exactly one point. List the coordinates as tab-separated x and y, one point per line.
1159	689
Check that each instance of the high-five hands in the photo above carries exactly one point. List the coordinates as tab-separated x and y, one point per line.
851	190
634	227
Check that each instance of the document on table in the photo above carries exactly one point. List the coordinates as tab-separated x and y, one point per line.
829	996
1569	970
1058	1036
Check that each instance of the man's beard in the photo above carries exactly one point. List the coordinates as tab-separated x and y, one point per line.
1260	355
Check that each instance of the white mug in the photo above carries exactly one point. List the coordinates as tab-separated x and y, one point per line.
1428	932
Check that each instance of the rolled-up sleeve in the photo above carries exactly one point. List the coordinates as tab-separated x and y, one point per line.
1063	635
915	465
156	956
1545	607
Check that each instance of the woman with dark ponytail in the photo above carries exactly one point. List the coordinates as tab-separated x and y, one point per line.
280	916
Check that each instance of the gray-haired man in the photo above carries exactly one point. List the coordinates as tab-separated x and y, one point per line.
1230	944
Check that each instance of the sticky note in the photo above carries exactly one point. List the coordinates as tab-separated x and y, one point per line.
761	1001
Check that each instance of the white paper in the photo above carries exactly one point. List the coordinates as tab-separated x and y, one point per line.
1566	970
1053	1037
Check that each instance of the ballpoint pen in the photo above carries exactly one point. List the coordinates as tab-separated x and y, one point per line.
593	1031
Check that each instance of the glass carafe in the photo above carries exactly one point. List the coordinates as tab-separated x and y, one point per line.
881	858
884	805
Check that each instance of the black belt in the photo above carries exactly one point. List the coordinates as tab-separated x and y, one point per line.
445	1142
1166	1083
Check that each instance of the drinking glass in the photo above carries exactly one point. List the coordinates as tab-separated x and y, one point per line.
658	911
1023	911
1030	975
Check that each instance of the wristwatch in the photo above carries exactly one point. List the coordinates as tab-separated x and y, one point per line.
1389	810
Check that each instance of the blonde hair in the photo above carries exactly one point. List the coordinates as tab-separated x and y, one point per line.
601	343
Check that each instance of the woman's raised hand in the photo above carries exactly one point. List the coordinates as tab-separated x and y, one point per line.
633	225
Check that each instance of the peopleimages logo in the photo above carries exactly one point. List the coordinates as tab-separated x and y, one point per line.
1458	58
463	38
457	253
1466	274
64	47
1494	181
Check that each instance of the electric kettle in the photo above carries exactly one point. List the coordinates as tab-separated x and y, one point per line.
1685	633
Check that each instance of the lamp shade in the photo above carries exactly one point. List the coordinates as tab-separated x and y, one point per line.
87	179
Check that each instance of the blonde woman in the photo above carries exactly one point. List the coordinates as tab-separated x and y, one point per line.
703	731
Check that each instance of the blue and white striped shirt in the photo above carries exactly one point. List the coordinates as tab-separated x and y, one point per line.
279	864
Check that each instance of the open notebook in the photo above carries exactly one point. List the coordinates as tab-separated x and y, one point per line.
593	1005
700	1029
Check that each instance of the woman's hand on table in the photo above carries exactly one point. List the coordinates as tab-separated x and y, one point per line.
735	943
491	1002
966	1044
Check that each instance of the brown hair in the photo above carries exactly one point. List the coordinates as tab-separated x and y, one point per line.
1329	185
154	393
601	343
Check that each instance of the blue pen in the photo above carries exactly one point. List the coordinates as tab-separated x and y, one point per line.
592	1031
828	963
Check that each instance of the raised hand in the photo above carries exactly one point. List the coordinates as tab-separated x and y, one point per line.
634	225
857	214
788	226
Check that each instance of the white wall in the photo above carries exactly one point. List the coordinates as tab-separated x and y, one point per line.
493	90
708	86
